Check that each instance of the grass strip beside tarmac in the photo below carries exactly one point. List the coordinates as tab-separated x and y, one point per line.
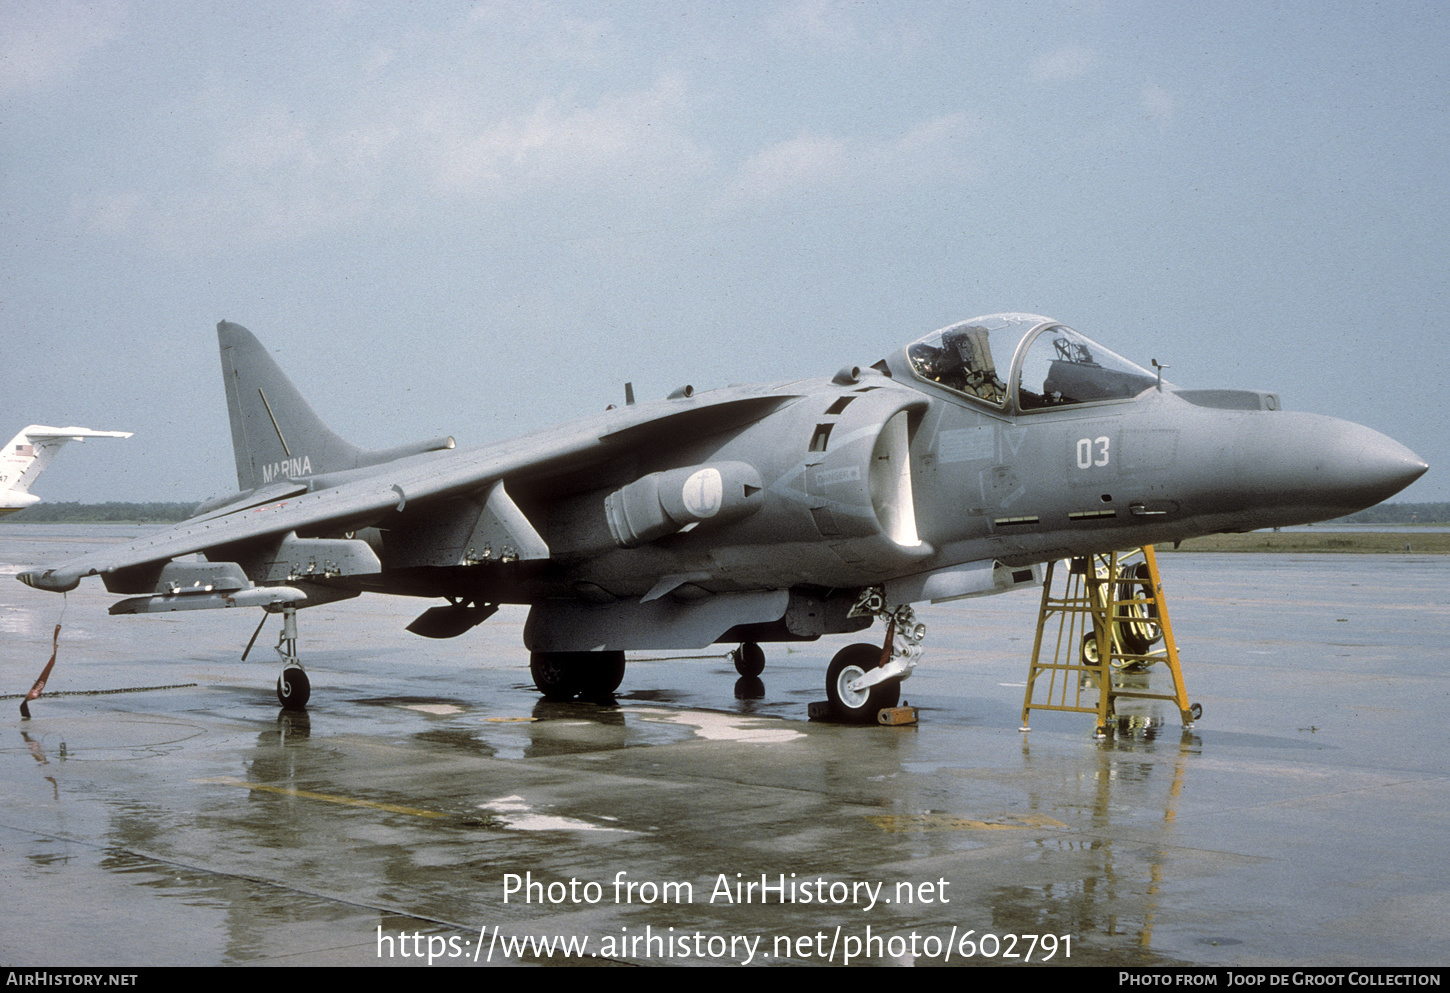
1354	542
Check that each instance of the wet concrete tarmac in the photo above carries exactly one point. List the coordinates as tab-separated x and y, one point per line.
405	815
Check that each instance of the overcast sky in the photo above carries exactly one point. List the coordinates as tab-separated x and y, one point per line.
483	218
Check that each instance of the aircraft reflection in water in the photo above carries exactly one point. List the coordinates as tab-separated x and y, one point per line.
954	468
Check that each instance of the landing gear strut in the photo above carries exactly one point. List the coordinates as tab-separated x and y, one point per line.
293	687
864	679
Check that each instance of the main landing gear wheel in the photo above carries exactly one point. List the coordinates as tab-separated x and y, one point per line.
749	659
565	675
294	689
1139	631
603	672
858	706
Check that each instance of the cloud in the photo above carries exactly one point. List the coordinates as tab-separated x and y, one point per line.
546	31
635	134
260	173
45	42
811	162
404	127
1158	103
803	162
814	23
1067	62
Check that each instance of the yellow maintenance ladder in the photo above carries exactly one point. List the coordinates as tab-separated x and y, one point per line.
1109	617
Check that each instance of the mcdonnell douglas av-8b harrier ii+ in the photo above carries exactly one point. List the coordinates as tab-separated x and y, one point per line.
956	467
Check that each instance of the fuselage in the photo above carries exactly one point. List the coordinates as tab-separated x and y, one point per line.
954	468
875	475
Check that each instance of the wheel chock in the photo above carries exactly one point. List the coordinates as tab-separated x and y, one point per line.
820	710
896	716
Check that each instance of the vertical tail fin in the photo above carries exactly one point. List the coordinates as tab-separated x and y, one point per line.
275	432
29	452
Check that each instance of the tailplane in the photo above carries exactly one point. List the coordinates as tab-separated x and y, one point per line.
276	435
29	452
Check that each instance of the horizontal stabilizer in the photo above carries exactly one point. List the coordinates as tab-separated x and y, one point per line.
38	432
29	452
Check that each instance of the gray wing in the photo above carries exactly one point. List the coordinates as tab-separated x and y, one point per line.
357	498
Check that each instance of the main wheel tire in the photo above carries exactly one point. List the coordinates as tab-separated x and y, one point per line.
565	675
749	659
294	689
1141	630
555	674
599	673
858	706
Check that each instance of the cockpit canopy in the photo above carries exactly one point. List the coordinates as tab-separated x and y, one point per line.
1024	361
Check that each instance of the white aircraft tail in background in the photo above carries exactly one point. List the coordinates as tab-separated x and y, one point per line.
28	453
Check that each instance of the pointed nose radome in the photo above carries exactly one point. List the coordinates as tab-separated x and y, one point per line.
1335	466
1384	467
1359	467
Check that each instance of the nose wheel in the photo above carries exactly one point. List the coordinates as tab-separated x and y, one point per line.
862	680
852	703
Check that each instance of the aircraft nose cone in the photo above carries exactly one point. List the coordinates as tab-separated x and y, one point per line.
1332	464
1363	467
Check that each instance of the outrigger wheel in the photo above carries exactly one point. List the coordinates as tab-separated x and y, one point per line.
294	689
749	659
858	706
565	675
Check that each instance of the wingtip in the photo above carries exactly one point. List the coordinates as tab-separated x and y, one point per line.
40	580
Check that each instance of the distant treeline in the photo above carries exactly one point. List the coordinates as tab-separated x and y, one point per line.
101	513
1401	513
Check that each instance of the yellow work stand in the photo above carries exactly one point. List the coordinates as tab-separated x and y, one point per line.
1109	622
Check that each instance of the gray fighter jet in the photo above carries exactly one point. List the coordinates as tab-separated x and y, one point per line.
954	468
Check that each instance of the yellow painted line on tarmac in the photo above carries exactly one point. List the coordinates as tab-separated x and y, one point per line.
347	801
948	822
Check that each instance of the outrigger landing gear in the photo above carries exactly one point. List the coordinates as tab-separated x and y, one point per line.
294	689
565	675
863	679
749	659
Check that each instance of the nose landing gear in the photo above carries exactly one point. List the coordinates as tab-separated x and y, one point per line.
863	680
